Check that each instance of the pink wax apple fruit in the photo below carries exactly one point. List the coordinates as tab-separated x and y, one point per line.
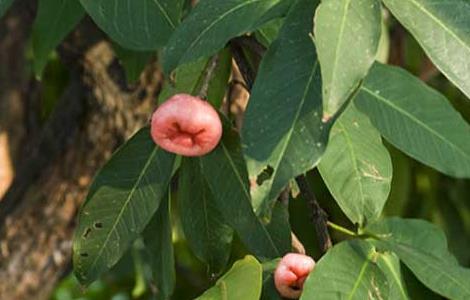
186	125
291	273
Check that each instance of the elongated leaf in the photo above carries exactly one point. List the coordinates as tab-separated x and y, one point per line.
205	229
416	119
442	28
279	228
347	35
4	6
347	271
159	248
137	25
282	130
357	167
390	265
242	281
210	25
121	201
226	174
133	62
54	20
423	248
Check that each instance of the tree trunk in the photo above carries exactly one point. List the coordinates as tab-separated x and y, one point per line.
53	163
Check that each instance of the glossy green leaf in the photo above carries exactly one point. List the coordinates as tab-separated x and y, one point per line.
54	20
188	79
242	281
442	28
357	167
4	6
423	248
389	263
282	132
279	228
209	26
159	249
133	62
121	201
416	119
226	174
347	271
137	25
208	235
347	34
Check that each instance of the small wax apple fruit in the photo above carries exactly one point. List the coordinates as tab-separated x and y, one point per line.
186	125
291	273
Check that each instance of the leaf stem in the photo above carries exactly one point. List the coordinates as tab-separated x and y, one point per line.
341	229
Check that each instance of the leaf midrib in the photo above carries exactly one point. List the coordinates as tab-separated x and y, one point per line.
417	121
124	207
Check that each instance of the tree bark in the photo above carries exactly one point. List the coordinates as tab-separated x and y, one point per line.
54	163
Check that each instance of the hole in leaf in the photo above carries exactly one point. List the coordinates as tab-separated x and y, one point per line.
266	174
87	232
84	254
98	225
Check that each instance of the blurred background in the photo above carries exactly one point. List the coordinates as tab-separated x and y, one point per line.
56	132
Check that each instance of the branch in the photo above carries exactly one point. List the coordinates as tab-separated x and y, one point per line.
208	74
243	65
319	216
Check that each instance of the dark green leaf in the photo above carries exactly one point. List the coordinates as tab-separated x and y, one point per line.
357	167
268	32
226	174
137	25
416	119
121	201
54	20
279	228
209	26
347	271
204	227
159	247
4	6
133	62
347	34
283	134
443	30
423	248
242	281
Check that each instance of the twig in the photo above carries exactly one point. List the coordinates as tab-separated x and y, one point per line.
319	216
209	73
251	43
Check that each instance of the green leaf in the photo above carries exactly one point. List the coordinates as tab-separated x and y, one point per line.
205	229
136	25
423	248
133	62
4	6
188	79
225	172
442	28
390	265
416	119
121	201
282	133
159	249
357	167
347	271
209	26
279	227
269	32
242	281
347	35
54	20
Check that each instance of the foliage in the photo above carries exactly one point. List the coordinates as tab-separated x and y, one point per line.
320	101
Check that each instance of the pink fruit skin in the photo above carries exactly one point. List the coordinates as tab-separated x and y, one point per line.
291	273
186	125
